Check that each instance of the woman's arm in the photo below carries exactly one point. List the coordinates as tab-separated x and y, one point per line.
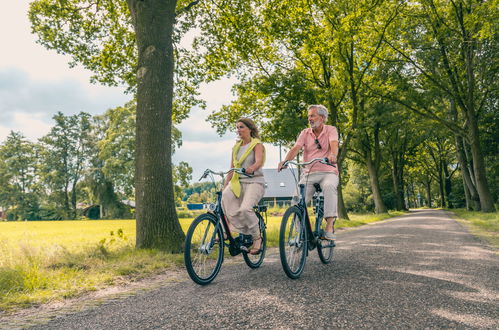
259	158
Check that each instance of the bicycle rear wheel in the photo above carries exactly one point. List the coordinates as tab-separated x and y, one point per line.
203	254
254	261
293	243
324	247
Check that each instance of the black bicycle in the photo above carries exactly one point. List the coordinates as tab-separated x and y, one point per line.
296	236
207	236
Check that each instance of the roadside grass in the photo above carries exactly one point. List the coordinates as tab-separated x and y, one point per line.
44	261
483	225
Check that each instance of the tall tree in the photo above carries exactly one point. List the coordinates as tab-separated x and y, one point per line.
132	42
65	154
18	178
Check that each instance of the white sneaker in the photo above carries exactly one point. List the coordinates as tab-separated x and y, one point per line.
330	236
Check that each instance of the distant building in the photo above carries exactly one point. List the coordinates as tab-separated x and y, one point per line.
280	187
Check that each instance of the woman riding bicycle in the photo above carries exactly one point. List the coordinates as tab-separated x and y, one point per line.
241	193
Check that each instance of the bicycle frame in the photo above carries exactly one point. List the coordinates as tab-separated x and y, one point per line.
311	235
221	219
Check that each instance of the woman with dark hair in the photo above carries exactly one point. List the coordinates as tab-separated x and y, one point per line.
241	193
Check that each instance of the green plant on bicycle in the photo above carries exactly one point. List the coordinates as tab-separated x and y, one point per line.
209	233
296	235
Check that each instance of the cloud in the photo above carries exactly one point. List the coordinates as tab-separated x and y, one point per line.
20	95
32	126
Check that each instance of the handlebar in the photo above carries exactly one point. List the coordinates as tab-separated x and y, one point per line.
239	170
321	160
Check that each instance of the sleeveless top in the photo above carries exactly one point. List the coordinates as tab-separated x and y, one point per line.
250	160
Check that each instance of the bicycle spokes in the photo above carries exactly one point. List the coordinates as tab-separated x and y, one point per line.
203	249
292	242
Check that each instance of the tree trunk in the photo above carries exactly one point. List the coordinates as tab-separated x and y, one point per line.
428	190
482	186
398	185
342	211
441	184
470	191
157	222
467	195
467	179
73	201
379	205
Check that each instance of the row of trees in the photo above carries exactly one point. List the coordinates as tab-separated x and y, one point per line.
400	78
83	160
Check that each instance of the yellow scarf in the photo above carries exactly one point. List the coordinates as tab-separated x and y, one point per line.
235	185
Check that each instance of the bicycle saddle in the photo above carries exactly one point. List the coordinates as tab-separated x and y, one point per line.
317	187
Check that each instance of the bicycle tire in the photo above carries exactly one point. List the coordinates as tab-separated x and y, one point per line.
324	246
204	249
255	261
293	243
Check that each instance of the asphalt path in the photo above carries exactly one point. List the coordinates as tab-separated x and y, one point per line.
421	270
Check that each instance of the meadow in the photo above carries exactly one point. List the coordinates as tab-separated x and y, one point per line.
43	261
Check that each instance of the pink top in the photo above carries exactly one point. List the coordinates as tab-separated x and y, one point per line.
306	140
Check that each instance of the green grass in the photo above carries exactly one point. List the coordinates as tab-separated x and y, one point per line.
50	260
482	225
44	261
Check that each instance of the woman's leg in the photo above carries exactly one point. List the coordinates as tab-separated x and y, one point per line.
253	193
231	205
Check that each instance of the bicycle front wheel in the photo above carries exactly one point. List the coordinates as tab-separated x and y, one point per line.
293	243
203	253
254	261
324	247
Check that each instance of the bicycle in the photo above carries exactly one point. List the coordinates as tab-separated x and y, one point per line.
207	236
296	236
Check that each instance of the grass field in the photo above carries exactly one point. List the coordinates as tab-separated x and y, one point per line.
42	261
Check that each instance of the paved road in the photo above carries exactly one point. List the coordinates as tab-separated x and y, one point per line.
422	270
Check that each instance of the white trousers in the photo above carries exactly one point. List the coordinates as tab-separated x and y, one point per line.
329	185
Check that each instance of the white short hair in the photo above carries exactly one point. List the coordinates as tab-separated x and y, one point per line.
321	110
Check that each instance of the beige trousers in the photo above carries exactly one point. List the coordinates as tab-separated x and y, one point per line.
239	211
329	185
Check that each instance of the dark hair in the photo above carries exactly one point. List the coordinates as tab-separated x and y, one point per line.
251	125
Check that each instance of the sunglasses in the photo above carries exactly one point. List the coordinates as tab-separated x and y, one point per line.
318	144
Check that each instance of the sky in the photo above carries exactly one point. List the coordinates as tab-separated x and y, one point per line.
36	83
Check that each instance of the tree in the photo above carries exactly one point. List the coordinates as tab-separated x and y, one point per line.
66	151
132	42
18	178
182	174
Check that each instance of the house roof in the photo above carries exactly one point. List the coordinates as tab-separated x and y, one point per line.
279	184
